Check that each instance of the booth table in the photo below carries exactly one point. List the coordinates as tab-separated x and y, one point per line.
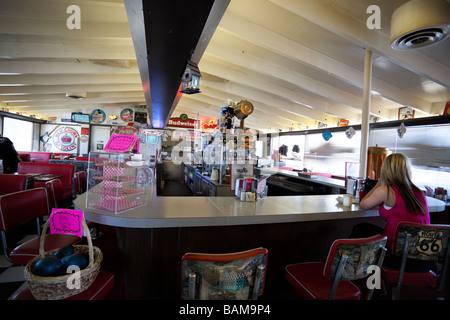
153	238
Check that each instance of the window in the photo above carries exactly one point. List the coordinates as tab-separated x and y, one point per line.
19	132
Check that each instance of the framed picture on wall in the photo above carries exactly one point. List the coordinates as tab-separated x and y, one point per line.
405	113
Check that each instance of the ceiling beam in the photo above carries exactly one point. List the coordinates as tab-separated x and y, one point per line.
39	27
62	96
302	101
209	88
270	68
75	79
15	90
259	111
72	67
274	42
65	51
332	20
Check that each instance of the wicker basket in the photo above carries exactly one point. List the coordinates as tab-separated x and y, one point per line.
55	288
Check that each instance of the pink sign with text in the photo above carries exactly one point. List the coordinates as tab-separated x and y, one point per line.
66	221
122	143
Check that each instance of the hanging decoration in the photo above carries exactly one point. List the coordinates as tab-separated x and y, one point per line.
327	135
401	130
190	80
350	132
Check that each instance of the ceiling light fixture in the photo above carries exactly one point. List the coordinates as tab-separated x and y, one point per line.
76	95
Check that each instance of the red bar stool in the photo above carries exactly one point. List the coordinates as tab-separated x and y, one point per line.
419	242
237	276
348	259
23	206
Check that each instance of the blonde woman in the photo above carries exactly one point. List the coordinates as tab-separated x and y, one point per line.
399	200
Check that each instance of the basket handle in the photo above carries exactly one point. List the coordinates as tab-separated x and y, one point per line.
88	236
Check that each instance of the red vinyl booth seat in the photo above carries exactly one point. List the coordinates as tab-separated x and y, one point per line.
99	290
38	156
348	260
10	183
67	170
30	249
25	157
23	206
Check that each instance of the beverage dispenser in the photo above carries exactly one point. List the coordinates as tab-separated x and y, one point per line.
375	159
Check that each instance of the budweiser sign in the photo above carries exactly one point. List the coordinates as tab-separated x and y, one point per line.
177	122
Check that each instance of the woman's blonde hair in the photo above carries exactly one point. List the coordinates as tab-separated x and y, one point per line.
396	170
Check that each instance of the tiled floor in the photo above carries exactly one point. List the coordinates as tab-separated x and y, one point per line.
12	276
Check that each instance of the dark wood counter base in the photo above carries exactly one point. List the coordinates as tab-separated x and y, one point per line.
151	257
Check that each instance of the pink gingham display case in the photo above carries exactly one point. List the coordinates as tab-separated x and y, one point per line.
113	184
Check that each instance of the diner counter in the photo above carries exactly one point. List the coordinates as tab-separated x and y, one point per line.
167	212
153	238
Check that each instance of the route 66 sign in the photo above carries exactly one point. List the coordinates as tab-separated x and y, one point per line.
429	243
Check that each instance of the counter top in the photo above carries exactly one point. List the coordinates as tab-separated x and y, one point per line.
166	212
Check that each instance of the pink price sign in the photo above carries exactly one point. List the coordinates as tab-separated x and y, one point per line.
66	221
122	143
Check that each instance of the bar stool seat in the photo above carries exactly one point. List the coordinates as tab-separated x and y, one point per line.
428	243
348	259
307	279
99	290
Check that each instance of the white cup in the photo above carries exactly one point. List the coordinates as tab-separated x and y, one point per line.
347	202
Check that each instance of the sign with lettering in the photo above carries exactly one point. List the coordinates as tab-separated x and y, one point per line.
176	122
66	221
65	139
121	143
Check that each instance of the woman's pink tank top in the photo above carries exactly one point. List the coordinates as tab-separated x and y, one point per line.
399	213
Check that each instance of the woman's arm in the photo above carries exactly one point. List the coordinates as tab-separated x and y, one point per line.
375	197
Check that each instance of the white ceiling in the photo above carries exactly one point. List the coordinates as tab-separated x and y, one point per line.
299	62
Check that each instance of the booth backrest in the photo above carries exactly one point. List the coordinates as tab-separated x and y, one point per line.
10	183
61	156
22	206
38	156
79	165
24	157
68	170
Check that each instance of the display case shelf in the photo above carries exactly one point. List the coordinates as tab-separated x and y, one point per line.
114	185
